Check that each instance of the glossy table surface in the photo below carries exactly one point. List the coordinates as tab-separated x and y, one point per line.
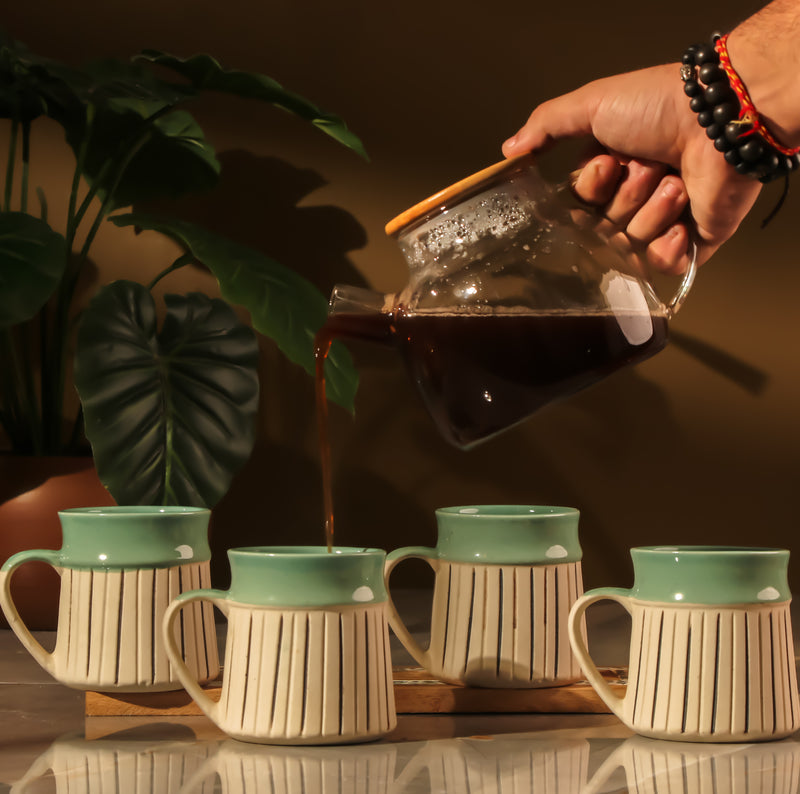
47	745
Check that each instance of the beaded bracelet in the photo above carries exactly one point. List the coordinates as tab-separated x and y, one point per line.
724	108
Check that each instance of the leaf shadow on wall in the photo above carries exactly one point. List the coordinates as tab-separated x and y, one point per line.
258	203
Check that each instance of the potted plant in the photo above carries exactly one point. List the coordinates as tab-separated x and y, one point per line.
167	407
168	411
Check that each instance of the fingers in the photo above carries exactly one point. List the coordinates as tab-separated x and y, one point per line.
567	116
642	200
597	181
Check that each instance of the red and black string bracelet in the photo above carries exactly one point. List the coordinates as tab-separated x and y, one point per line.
724	108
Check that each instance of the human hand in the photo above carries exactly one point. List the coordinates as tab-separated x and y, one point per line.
660	178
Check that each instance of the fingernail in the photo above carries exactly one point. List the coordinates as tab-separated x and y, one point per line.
671	190
510	143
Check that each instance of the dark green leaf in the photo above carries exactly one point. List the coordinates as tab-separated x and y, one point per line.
206	74
283	305
170	414
175	158
111	79
32	86
32	261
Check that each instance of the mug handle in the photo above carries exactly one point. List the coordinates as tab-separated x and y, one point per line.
219	598
31	644
393	559
578	643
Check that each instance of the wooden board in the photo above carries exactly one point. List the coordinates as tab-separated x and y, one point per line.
415	693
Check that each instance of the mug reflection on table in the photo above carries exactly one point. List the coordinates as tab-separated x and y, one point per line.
239	768
120	764
650	766
504	765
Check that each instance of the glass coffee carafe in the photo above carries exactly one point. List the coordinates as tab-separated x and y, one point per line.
514	299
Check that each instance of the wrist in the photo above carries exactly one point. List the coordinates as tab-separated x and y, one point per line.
728	115
769	68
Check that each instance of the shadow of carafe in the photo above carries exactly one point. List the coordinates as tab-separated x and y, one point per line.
488	766
656	766
242	768
135	762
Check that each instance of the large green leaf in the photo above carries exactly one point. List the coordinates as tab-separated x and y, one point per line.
206	74
170	414
174	159
32	261
283	305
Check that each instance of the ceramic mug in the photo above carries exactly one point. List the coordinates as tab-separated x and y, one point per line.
307	653
505	578
120	567
711	653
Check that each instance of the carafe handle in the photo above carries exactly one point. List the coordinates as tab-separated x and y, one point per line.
686	282
567	189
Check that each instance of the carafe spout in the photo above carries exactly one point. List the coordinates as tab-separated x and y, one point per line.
359	300
357	313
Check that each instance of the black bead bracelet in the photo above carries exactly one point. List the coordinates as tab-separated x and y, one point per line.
723	107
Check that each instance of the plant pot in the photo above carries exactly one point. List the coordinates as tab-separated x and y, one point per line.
32	491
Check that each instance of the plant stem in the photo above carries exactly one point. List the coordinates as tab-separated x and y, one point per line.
29	396
61	335
73	218
26	159
55	364
25	435
181	261
12	154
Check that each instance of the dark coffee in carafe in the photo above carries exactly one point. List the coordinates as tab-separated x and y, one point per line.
479	374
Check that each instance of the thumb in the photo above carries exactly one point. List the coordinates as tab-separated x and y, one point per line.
567	116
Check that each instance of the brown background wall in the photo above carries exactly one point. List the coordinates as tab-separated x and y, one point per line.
672	451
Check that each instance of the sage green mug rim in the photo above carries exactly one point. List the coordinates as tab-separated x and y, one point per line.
303	551
306	576
134	510
709	574
710	549
491	511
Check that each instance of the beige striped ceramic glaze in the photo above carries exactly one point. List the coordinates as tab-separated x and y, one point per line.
304	676
650	767
712	672
500	625
239	768
109	629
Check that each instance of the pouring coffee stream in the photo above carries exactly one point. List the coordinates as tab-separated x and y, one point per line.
514	300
